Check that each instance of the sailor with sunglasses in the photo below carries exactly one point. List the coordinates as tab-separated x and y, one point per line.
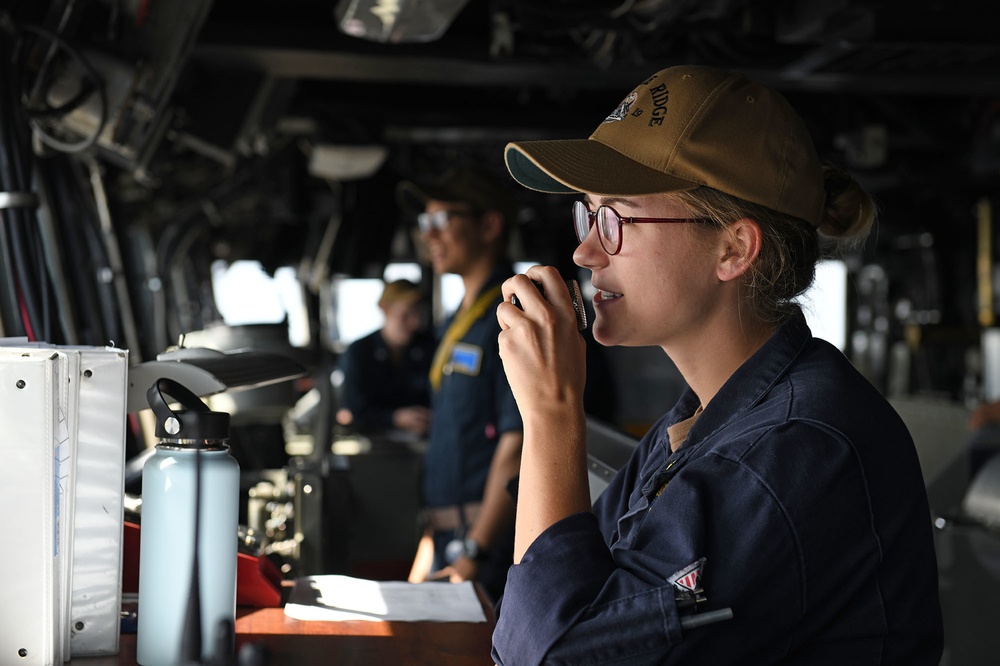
474	442
777	513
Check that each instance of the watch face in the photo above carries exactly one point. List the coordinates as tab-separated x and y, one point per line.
457	548
454	550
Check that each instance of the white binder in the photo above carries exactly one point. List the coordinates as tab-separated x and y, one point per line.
30	607
95	618
62	459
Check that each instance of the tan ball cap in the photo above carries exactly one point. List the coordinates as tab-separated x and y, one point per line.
681	128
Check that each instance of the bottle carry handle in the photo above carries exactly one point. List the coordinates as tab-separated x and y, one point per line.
154	396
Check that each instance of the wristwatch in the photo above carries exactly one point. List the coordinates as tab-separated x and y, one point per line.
466	547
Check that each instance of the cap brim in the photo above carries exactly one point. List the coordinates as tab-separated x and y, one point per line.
410	197
585	165
414	198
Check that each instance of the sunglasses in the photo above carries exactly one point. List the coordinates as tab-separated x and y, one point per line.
439	219
609	224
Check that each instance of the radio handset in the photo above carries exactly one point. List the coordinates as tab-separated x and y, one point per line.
575	295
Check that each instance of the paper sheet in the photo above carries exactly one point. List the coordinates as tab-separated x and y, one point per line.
334	597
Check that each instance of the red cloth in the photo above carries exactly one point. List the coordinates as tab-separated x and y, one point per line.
258	580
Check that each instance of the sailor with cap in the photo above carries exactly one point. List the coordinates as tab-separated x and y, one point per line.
777	513
474	444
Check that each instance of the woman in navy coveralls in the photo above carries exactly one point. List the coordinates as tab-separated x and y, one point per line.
777	514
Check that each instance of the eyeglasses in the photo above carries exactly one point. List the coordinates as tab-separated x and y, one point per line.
609	224
440	219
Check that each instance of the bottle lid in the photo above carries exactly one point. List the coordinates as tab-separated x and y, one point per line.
195	422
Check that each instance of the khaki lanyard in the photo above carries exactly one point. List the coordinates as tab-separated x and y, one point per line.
459	326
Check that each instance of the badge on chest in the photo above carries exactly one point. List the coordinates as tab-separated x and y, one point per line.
465	359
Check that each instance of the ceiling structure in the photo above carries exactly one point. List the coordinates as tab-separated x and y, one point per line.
555	67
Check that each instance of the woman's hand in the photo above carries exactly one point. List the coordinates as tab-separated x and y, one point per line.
544	357
543	353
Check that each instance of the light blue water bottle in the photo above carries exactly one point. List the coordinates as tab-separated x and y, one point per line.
187	604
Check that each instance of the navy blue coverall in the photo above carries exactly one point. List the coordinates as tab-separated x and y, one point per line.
800	487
